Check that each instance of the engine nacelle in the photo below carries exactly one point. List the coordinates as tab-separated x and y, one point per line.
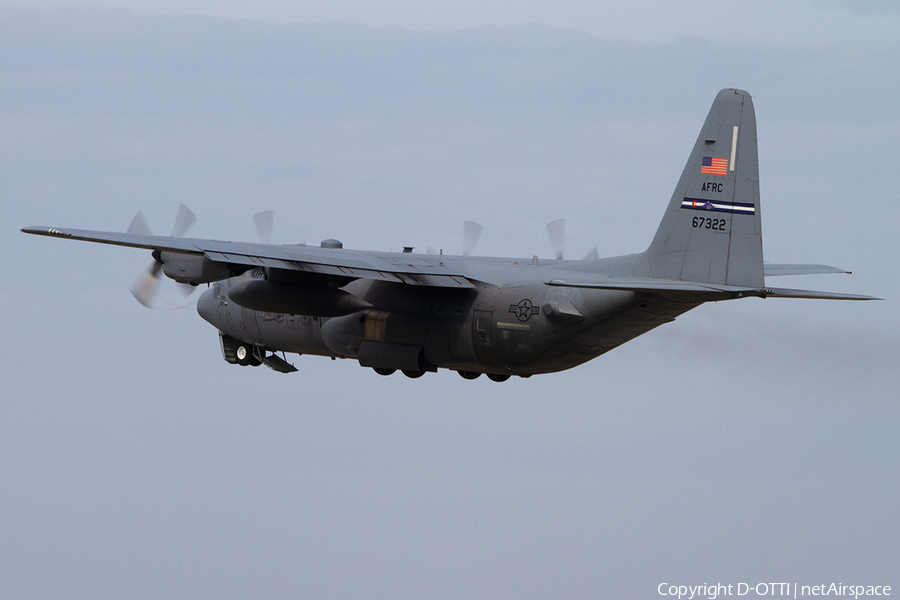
192	268
295	299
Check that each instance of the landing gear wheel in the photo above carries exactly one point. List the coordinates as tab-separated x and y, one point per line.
469	374
384	372
499	378
244	354
413	374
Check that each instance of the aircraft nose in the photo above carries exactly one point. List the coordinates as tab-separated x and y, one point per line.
206	305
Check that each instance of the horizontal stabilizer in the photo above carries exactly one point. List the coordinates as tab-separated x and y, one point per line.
812	295
658	286
772	269
665	286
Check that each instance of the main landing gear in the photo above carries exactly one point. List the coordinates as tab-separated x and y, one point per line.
498	377
407	372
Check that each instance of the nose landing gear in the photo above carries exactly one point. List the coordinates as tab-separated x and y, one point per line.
245	354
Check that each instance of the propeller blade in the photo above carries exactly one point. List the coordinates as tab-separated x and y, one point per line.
183	221
557	232
264	222
139	225
471	235
592	255
146	286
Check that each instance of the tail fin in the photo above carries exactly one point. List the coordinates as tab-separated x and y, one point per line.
712	231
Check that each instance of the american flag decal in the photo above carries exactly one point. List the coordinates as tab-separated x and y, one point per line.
714	166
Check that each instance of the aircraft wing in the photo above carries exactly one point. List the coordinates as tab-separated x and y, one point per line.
412	269
716	290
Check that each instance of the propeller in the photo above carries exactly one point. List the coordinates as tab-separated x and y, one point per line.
264	222
146	287
184	220
471	235
592	255
557	232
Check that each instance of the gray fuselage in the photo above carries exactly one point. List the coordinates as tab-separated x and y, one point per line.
518	327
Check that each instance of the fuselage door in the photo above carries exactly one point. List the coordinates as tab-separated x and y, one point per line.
481	334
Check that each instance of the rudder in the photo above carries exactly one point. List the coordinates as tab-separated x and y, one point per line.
712	230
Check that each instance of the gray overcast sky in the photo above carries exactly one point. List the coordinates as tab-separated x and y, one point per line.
749	441
794	21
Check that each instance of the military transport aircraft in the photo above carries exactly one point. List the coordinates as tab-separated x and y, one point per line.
499	316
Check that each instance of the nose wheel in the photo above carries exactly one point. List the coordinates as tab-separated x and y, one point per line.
245	355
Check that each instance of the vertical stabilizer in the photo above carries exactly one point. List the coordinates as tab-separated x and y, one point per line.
712	231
